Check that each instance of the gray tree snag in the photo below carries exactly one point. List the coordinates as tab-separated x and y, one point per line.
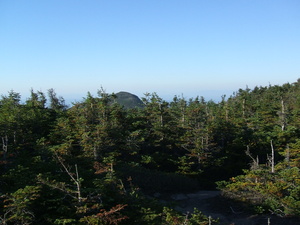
71	175
4	146
272	158
243	107
255	162
283	116
287	156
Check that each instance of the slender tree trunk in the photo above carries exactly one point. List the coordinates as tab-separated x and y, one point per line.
4	146
255	162
161	115
95	152
272	158
183	118
209	220
226	111
282	116
243	107
77	181
287	157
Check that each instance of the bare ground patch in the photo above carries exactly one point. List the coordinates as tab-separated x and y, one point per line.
213	204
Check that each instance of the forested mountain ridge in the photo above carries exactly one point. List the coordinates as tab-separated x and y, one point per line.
95	162
128	100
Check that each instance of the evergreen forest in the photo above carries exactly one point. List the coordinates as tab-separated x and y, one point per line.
100	162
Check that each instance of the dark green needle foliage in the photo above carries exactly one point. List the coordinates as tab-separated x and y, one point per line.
101	160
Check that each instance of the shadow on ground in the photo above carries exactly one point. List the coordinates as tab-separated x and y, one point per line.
213	204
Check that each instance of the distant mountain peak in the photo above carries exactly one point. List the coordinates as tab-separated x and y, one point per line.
129	100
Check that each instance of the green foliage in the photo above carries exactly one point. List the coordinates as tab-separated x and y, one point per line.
94	162
278	192
18	205
198	217
171	217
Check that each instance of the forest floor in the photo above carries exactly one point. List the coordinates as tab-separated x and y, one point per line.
212	203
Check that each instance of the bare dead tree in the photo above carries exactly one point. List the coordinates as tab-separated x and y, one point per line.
243	107
186	218
255	162
4	146
272	158
283	116
209	220
73	177
287	156
226	111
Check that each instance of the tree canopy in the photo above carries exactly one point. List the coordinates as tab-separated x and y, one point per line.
98	161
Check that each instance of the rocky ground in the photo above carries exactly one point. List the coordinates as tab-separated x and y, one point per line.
211	203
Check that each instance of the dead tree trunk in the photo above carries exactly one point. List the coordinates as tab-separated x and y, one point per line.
4	147
283	116
255	162
287	157
75	179
243	107
272	158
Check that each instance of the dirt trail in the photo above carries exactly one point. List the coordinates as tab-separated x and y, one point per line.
211	203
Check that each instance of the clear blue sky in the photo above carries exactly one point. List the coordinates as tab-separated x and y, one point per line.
171	47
